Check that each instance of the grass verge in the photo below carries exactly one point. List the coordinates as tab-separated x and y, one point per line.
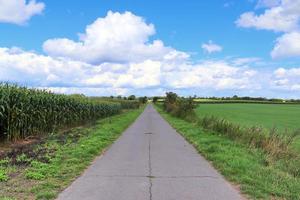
37	178
246	167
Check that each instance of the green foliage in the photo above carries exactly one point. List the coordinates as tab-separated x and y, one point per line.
129	104
155	99
25	112
125	104
143	100
3	175
275	144
4	162
34	175
179	107
131	97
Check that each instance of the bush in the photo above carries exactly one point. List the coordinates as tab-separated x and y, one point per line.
3	176
180	107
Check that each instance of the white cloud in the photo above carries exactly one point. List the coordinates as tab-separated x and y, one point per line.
286	79
118	37
37	70
288	45
272	19
280	16
19	11
243	61
210	47
283	17
216	75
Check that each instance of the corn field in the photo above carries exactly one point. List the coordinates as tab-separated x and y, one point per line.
28	112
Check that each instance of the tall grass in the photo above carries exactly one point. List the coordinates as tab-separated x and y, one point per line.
25	112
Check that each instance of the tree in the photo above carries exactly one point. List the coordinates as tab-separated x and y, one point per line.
143	99
155	99
171	97
131	97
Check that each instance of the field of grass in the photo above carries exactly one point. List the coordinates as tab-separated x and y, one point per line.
248	168
282	117
45	169
266	115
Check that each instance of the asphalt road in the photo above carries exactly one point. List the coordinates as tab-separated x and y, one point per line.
150	161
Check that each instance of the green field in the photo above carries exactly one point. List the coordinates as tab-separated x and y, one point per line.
282	117
266	115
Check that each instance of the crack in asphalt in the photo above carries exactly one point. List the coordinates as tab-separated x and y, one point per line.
150	168
152	177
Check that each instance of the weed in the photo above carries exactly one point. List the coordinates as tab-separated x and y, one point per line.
3	175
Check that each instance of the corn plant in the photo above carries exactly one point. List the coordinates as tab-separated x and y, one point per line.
28	112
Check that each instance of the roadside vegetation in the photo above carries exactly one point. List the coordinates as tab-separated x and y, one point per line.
43	169
241	153
29	112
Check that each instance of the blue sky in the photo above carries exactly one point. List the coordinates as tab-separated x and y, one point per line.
217	47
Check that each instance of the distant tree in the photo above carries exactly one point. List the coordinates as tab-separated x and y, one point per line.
143	99
171	97
155	99
111	97
119	97
131	97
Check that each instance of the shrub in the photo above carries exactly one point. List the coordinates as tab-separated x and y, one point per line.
3	176
179	107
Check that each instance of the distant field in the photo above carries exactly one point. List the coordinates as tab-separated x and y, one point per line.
280	116
265	115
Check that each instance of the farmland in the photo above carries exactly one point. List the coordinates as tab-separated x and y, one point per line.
280	116
28	112
269	116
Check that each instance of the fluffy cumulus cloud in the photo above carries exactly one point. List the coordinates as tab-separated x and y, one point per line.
279	16
38	70
288	45
19	11
282	17
211	47
217	75
118	37
287	79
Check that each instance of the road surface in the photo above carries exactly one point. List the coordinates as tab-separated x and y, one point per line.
150	161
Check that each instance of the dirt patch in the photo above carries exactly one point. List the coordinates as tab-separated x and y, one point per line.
22	152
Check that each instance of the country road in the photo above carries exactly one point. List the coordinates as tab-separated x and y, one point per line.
150	161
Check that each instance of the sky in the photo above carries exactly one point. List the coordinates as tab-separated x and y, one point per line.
149	47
